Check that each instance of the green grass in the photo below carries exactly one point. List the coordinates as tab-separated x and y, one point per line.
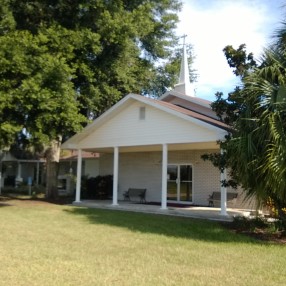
46	244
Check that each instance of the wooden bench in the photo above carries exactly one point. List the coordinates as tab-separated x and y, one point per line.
216	197
135	193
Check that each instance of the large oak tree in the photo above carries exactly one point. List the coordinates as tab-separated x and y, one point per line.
64	62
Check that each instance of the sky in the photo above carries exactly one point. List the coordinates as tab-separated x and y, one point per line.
210	25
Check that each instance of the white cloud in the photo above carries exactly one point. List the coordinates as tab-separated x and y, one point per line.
211	25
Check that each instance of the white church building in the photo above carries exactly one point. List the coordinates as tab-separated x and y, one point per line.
157	145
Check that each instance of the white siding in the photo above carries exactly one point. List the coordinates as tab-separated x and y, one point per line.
91	167
136	170
206	178
143	170
127	129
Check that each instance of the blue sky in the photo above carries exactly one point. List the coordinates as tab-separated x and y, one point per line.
213	24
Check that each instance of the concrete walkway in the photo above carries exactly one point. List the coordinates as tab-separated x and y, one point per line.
209	213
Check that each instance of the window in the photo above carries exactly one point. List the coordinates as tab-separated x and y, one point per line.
142	111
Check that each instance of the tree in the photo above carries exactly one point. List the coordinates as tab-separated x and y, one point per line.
65	62
255	150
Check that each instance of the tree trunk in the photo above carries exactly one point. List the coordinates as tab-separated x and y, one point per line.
53	157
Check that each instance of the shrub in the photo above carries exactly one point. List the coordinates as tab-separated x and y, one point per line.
249	224
99	187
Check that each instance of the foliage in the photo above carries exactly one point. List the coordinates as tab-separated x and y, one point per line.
104	57
255	150
99	187
63	63
260	227
78	55
36	80
239	60
23	189
243	223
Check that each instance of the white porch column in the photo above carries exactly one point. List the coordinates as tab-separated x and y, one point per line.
38	173
164	176
223	192
19	178
19	171
115	177
78	176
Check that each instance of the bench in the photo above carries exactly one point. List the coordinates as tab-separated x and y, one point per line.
135	193
216	197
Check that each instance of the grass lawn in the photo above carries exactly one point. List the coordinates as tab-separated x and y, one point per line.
48	244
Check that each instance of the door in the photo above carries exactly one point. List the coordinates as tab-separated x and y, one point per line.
180	183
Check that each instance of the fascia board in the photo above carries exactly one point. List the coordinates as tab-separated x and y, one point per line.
72	142
185	97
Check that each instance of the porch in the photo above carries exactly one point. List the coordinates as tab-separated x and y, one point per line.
200	212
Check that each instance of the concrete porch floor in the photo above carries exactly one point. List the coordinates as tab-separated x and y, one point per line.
210	213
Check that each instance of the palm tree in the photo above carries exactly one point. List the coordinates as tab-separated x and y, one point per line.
257	148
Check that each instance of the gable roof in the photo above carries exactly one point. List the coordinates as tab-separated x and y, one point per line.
191	116
172	94
194	114
73	154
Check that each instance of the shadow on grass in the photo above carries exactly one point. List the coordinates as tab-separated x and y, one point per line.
4	205
177	227
3	201
27	198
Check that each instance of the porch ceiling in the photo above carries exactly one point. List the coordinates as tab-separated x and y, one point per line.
153	148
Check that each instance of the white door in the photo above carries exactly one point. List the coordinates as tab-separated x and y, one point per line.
180	183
